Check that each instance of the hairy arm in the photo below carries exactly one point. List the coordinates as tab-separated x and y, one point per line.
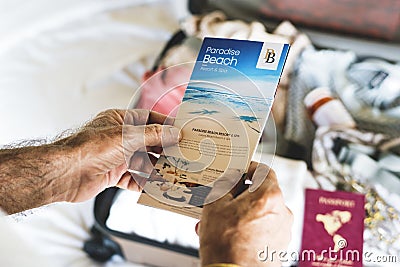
83	164
35	175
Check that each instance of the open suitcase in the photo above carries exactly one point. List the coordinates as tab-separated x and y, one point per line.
374	38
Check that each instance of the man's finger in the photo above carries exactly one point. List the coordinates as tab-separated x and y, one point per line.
224	187
154	149
259	175
264	182
252	167
197	228
141	167
160	135
143	116
142	162
134	116
137	138
130	182
251	170
159	118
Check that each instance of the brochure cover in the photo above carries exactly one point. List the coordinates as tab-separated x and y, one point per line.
222	116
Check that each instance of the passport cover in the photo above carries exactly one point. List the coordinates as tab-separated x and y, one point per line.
333	229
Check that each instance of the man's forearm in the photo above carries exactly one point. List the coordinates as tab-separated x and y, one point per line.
34	176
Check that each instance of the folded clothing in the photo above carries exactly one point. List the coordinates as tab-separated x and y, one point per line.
378	83
314	68
372	95
368	88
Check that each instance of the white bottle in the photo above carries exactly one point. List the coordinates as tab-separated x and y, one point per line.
325	110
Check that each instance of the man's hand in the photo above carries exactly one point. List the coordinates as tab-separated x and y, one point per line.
113	142
82	165
233	229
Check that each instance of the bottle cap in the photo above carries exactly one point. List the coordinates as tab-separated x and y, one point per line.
315	95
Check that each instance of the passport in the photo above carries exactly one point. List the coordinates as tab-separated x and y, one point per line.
333	229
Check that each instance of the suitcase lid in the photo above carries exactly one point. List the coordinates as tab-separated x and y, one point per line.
379	20
369	28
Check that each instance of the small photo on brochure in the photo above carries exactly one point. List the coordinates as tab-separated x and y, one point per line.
171	183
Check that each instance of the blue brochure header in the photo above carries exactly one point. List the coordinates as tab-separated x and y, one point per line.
252	58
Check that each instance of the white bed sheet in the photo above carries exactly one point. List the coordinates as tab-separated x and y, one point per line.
67	64
62	62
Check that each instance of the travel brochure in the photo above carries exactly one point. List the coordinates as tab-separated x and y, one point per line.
221	117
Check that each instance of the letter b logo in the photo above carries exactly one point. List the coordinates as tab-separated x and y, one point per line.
269	56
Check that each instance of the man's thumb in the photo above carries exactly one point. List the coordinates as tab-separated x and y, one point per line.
160	135
138	137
